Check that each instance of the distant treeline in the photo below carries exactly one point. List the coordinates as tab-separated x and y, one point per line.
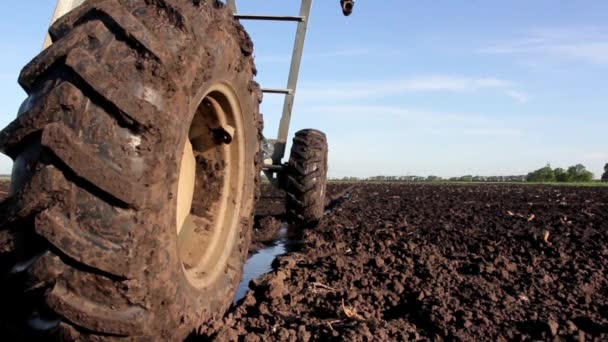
575	173
467	178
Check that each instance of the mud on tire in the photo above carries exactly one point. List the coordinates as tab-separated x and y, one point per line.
306	178
97	148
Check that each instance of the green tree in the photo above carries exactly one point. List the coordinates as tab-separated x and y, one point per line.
544	174
605	175
467	178
578	173
561	175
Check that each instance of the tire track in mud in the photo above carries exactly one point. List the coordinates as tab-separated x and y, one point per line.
335	200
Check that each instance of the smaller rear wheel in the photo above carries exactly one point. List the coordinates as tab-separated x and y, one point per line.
306	177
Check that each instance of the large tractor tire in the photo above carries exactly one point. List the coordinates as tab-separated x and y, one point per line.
136	162
306	178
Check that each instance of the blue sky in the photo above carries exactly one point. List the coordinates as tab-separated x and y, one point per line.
416	87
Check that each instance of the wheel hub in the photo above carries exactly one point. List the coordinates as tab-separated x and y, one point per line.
210	187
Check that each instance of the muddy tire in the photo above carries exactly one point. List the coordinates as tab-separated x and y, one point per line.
128	94
306	177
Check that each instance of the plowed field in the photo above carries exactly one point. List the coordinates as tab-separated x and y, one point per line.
434	262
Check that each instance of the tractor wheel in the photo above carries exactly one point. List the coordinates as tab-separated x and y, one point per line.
136	163
306	177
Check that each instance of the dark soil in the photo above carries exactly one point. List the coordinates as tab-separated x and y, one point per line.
265	232
3	189
435	262
6	240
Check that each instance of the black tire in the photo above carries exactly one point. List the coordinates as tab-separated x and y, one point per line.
97	148
306	177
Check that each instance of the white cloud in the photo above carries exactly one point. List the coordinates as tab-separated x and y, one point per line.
446	123
366	89
518	96
493	132
588	45
594	52
396	112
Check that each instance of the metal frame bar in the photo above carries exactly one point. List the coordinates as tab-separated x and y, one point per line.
269	17
273	168
276	91
294	72
292	82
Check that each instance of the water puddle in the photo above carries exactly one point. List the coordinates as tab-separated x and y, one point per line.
260	263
